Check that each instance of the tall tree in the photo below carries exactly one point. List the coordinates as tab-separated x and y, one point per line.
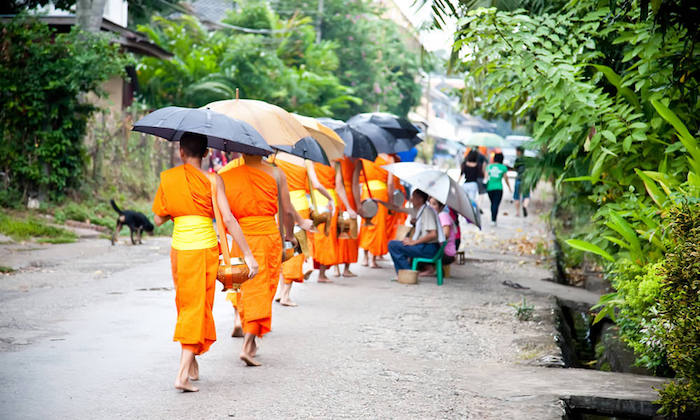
375	58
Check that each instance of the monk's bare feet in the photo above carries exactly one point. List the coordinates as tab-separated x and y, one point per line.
348	273
194	370
374	264
237	332
288	302
336	271
185	386
324	279
308	274
249	360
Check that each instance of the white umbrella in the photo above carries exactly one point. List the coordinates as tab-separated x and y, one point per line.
436	183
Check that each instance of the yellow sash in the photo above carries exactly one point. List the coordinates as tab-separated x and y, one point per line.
193	232
299	200
376	184
322	201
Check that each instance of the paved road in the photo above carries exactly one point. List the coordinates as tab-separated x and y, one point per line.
86	333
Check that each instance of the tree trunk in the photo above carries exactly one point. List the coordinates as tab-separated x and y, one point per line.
89	14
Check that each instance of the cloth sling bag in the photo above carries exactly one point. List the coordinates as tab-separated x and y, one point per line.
232	272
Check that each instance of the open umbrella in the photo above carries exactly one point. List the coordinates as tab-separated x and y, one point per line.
275	125
404	144
222	132
437	184
328	139
483	139
307	148
356	144
399	127
383	141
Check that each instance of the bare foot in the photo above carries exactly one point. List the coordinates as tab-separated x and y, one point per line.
337	271
249	360
374	265
194	371
237	332
308	274
427	273
324	280
365	263
185	386
288	303
348	273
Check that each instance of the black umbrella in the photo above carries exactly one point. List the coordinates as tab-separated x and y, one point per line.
307	148
399	127
383	141
357	144
223	133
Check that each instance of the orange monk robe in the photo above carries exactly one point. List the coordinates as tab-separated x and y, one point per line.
298	183
326	246
396	218
233	296
375	238
186	191
252	196
347	247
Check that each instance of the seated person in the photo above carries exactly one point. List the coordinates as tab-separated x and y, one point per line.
426	238
450	231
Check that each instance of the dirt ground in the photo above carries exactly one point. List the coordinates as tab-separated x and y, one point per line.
86	332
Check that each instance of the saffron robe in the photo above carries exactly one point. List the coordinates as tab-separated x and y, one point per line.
252	196
347	247
374	238
185	194
298	184
325	250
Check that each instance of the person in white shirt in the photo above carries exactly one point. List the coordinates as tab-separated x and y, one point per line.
426	239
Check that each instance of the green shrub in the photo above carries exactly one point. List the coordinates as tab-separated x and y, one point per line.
679	308
42	117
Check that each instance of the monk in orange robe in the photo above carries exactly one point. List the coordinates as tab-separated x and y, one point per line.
326	245
298	182
252	194
395	218
348	189
185	196
376	183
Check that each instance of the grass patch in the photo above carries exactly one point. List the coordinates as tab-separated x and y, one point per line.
21	229
6	270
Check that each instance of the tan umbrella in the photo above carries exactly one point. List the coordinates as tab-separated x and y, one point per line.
277	126
329	140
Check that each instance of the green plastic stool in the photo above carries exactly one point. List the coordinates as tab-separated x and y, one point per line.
437	260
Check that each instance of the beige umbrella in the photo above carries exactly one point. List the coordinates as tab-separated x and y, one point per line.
329	140
277	126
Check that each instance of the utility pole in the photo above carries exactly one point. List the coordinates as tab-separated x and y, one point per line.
319	21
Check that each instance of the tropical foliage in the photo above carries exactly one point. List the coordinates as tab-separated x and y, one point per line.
610	90
377	61
43	114
282	66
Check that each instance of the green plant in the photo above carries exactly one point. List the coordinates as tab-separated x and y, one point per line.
42	114
285	67
679	310
523	311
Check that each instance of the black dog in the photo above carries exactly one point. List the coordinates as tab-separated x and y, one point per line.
137	222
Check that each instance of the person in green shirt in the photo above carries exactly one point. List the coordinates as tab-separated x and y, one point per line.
494	187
